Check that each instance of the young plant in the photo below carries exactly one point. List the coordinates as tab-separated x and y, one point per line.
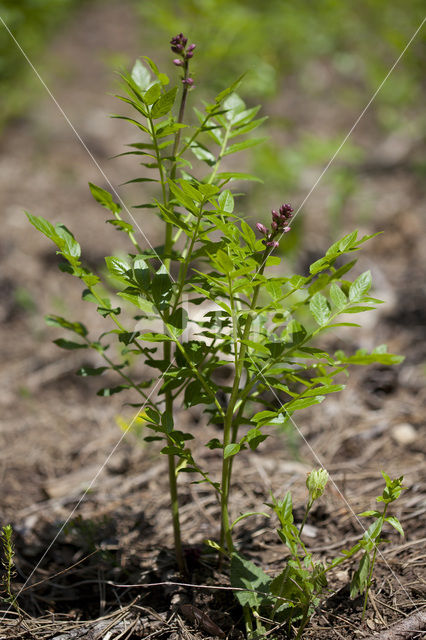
362	578
264	325
8	563
292	597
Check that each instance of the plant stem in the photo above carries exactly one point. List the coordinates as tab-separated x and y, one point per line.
305	517
228	432
221	154
168	243
198	375
195	134
370	575
183	270
174	496
305	620
179	120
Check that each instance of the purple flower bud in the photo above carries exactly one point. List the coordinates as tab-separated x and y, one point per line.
286	210
179	38
274	226
273	243
188	81
178	62
178	43
286	229
275	215
261	228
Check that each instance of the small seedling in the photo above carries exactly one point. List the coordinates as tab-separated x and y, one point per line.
8	563
371	540
291	598
223	305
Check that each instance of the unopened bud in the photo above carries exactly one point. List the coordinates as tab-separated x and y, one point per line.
316	483
261	228
286	210
178	62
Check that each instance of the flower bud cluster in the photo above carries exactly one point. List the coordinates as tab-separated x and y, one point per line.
185	53
280	224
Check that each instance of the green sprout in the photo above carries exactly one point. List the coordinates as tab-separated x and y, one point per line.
8	563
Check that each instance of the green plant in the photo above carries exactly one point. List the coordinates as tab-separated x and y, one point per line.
8	563
265	325
362	578
291	598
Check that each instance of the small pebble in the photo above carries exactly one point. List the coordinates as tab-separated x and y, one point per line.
310	531
404	433
342	576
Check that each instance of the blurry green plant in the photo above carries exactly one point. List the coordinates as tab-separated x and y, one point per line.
32	23
336	53
270	40
291	598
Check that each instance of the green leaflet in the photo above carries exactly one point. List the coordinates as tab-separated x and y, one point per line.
151	95
164	104
226	201
360	287
58	321
246	144
104	198
320	309
116	266
337	296
246	575
69	344
141	75
231	450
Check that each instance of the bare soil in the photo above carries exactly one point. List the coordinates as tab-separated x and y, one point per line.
91	577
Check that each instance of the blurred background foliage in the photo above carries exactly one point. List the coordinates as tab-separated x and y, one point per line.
333	52
32	23
279	37
329	56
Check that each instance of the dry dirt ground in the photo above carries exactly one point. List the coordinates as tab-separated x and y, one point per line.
56	434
